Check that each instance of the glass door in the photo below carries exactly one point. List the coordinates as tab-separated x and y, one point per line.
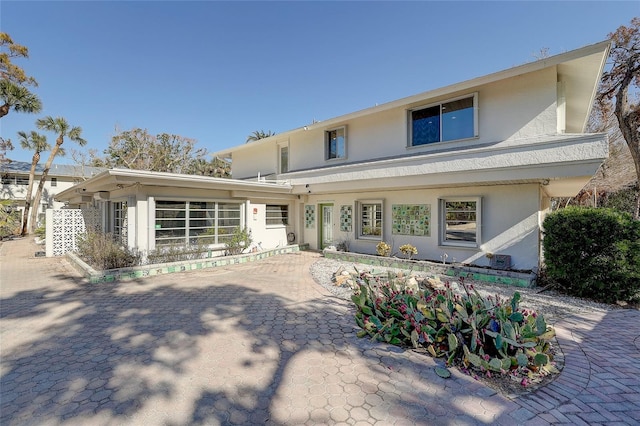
326	225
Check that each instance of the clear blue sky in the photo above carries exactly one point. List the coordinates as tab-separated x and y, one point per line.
217	71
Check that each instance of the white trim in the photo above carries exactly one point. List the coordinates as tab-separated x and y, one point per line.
442	231
358	226
326	144
409	118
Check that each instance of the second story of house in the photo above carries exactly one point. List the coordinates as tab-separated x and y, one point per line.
529	107
15	179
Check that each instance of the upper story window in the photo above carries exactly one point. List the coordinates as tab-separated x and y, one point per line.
460	221
283	158
447	121
335	144
277	214
54	181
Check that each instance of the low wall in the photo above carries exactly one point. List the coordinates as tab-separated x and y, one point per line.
137	272
512	278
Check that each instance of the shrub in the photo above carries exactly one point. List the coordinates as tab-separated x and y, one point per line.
593	253
102	252
408	250
239	241
176	253
383	249
486	334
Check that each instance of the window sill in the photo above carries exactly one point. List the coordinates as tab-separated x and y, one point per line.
473	247
335	160
369	239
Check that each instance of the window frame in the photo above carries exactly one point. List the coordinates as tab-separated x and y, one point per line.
284	215
473	96
360	225
442	208
22	180
54	182
219	206
327	144
284	147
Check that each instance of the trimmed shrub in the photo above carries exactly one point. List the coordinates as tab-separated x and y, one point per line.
103	252
593	253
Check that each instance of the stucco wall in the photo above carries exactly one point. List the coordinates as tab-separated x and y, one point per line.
515	108
509	223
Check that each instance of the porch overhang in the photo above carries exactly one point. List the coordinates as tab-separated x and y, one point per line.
114	180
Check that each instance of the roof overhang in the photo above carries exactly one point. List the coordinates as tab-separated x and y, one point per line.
116	179
562	163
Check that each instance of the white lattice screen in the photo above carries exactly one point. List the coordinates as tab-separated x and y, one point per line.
65	225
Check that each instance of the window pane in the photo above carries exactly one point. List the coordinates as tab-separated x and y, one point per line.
277	215
202	226
457	119
460	221
284	159
371	220
425	125
335	144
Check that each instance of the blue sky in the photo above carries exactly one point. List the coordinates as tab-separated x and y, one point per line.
217	71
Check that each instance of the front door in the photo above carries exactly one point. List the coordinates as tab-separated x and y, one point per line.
326	225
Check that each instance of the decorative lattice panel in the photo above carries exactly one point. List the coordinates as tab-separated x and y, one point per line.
346	218
309	216
68	224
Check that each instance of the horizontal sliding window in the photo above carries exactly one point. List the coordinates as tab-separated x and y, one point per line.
447	121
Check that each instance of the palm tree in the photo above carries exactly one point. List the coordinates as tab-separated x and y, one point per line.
17	97
37	143
259	134
60	127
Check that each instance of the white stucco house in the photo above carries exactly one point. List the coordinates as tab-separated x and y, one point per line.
463	172
15	181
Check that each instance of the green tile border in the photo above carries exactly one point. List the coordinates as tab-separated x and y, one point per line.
139	272
510	278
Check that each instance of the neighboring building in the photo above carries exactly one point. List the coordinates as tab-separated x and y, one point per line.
462	172
15	181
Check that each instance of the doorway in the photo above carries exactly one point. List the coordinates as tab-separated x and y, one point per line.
326	225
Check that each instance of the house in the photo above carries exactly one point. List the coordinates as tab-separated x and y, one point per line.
463	172
15	181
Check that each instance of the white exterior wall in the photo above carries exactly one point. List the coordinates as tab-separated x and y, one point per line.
18	193
515	108
268	236
510	223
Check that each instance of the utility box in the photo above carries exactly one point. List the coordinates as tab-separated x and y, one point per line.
501	261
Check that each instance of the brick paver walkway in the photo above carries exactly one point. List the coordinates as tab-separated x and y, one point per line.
261	343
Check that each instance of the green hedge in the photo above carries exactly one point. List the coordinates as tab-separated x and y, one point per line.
593	253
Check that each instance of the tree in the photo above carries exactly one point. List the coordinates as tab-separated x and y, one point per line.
5	145
216	167
617	82
19	98
8	70
259	134
37	143
13	90
62	129
137	149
